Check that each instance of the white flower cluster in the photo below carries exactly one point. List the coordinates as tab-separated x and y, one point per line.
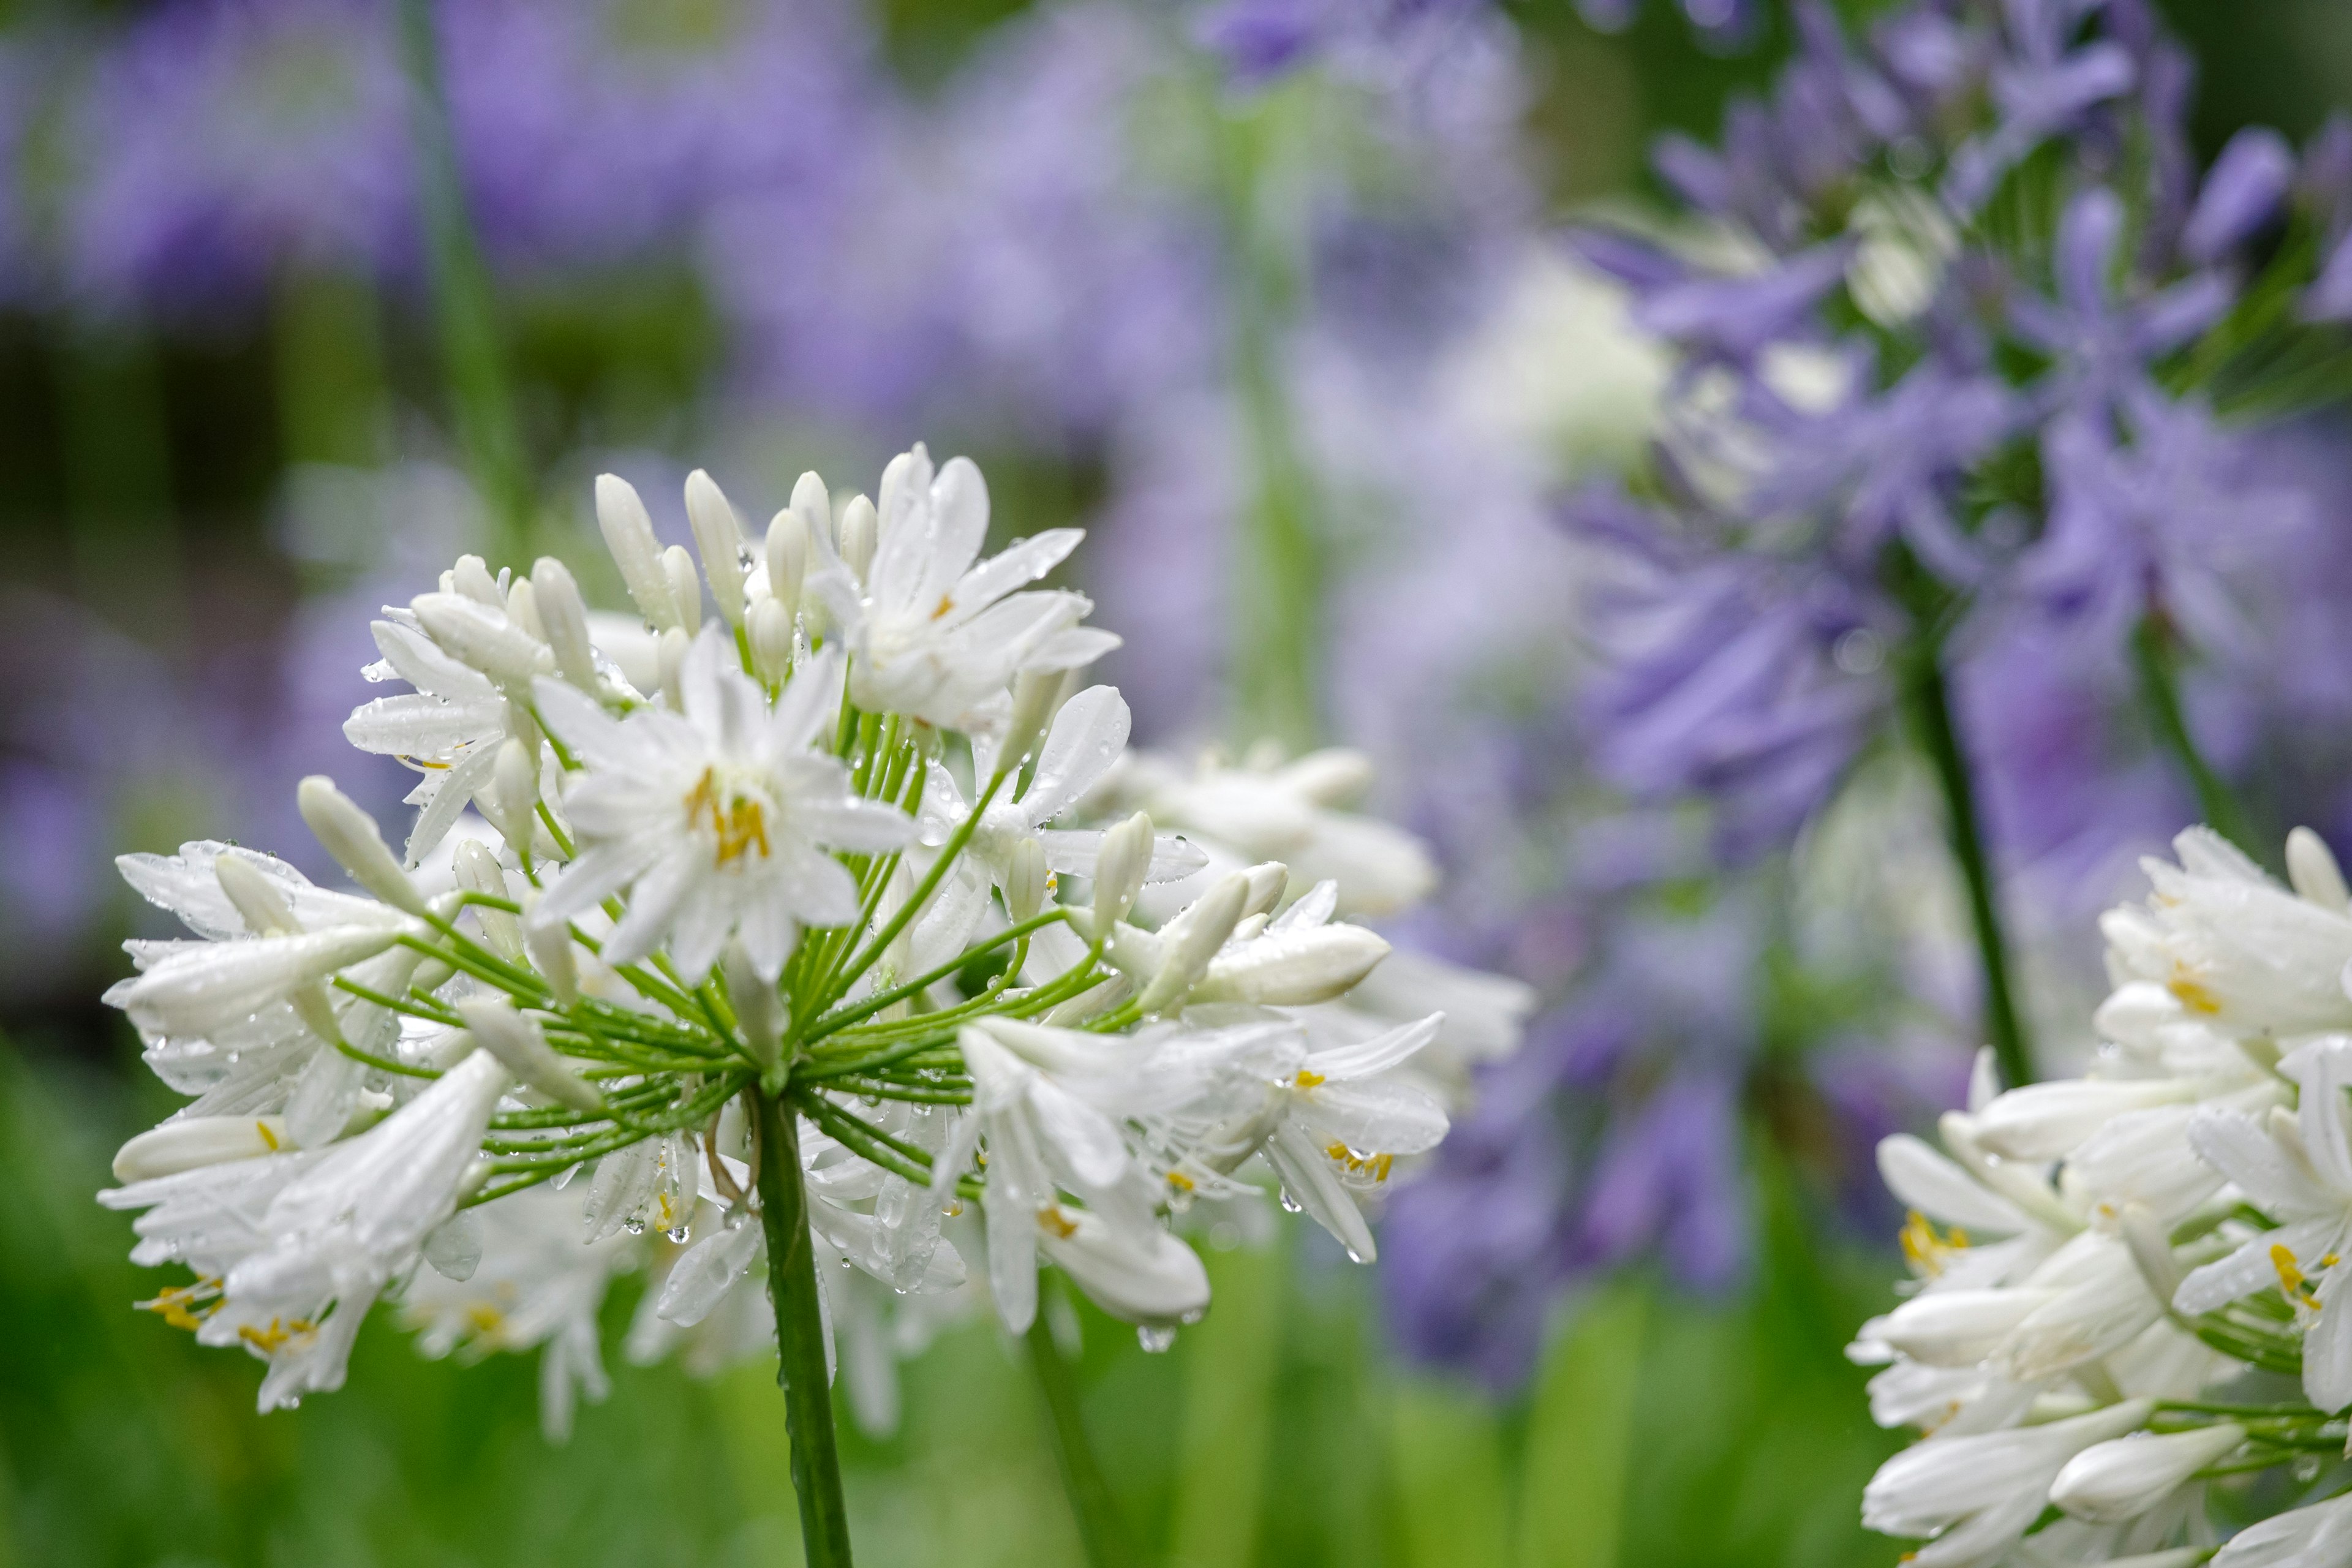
854	858
2127	1341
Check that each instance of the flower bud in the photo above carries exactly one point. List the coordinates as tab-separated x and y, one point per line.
478	872
1958	1327
522	608
563	618
720	536
758	1010
1294	969
1120	865
861	534
1035	694
813	504
1333	776
191	1142
519	1046
259	898
685	587
628	531
2312	867
2122	1479
1025	881
669	655
549	947
483	638
787	553
769	626
514	795
351	835
470	578
1193	940
1268	880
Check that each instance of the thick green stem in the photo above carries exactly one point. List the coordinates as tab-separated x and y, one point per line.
2152	653
800	1337
1932	712
1091	1498
481	403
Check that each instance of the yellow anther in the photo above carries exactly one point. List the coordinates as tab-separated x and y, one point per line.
2193	994
739	822
187	1306
1376	1166
1928	1250
1051	1218
946	605
485	1318
1306	1079
267	1136
1180	1181
2291	1278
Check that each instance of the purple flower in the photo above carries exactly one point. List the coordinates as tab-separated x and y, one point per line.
2104	342
2245	190
2044	85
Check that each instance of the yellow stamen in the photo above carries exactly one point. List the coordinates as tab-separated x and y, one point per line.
2291	1278
1373	1165
741	823
2194	993
1306	1079
485	1318
280	1331
187	1306
1928	1250
947	603
267	1136
1051	1218
1180	1181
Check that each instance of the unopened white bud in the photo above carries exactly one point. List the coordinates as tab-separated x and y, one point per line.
786	552
1268	880
471	577
758	1010
719	535
628	531
2312	867
1120	865
861	534
1193	939
259	898
1294	969
769	626
549	947
522	608
564	620
519	1046
2133	1012
191	1142
685	587
669	655
2122	1479
514	794
476	634
1025	881
1035	694
351	837
1958	1327
478	872
814	502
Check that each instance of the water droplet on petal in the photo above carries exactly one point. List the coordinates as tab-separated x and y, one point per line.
1289	1203
633	1226
1155	1339
678	1233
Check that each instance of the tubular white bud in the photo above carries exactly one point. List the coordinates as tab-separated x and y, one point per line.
1025	881
685	587
351	835
861	534
2312	867
1268	880
519	1046
1125	857
1294	969
787	553
758	1011
628	531
514	795
191	1142
1193	939
1035	694
549	947
256	896
814	502
769	626
522	608
476	634
2122	1479
719	537
669	653
564	620
478	872
471	577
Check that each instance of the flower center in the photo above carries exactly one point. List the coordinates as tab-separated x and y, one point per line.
738	818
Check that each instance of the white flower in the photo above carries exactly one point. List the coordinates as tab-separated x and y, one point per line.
716	819
2319	1536
1977	1494
2113	1482
935	633
449	728
2298	1170
2235	947
292	1249
536	1285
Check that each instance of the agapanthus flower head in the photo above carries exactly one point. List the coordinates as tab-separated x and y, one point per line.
699	952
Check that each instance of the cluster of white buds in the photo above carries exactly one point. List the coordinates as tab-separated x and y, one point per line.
2127	1341
726	943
